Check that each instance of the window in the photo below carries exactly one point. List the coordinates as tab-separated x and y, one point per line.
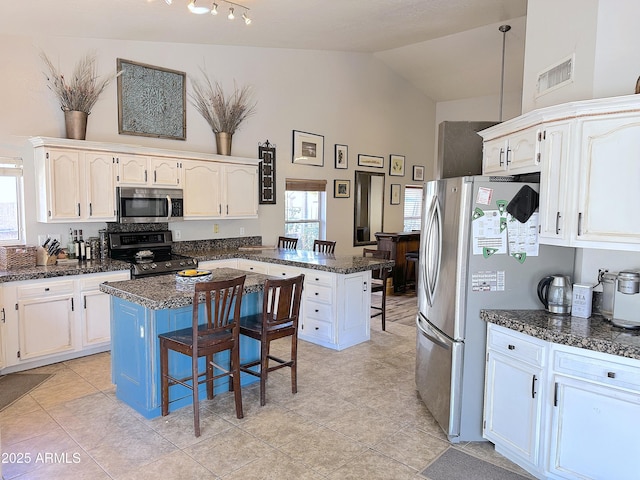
304	211
11	219
412	207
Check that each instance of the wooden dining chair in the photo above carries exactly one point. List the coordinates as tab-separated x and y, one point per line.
287	242
220	331
324	246
379	282
279	319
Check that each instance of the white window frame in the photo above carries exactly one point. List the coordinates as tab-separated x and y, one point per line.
12	167
309	186
406	217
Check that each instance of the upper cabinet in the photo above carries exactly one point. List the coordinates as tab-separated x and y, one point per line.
587	155
511	153
77	180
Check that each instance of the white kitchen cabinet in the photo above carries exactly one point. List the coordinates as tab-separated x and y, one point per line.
95	312
202	192
211	264
318	322
240	191
133	170
514	389
45	319
165	172
282	271
3	319
515	153
595	416
144	171
74	186
253	266
558	183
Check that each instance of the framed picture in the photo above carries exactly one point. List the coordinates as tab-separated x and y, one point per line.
151	101
267	173
342	159
370	161
341	188
308	149
395	194
396	165
418	173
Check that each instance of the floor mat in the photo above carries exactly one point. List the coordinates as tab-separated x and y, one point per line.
454	464
16	385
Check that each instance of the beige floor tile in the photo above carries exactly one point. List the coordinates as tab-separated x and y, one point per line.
277	426
53	392
74	463
22	427
274	466
373	466
364	425
175	466
21	407
412	447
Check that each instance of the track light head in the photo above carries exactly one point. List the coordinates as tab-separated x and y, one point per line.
247	20
214	9
193	8
231	16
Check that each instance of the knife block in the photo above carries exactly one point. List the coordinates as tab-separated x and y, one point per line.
43	258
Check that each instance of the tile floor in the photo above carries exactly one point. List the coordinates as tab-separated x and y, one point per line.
356	415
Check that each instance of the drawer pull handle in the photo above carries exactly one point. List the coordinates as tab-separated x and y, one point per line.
317	279
317	310
317	328
46	289
316	293
611	374
511	347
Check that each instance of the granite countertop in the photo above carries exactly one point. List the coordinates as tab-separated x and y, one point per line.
162	291
594	333
76	268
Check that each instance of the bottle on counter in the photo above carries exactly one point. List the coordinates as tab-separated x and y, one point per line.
82	247
88	251
71	246
76	245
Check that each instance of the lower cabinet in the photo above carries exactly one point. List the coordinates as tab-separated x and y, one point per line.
52	320
211	264
561	412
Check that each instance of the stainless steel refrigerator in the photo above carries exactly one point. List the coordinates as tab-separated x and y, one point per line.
466	266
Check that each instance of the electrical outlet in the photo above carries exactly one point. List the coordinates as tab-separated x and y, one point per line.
177	234
241	230
216	228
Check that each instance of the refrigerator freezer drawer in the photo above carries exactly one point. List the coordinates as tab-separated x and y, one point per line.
438	376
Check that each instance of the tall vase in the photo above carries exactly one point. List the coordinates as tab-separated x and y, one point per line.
76	124
223	143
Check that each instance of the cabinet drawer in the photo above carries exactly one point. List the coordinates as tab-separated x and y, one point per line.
256	267
318	311
282	271
515	345
317	329
318	293
605	371
313	277
92	283
211	264
45	289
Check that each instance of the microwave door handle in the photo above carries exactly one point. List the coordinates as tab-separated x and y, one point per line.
170	208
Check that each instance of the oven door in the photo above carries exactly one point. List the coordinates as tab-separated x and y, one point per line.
148	205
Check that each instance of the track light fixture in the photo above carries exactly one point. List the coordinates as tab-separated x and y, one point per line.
198	7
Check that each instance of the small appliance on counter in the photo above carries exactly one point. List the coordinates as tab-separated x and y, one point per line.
620	299
555	294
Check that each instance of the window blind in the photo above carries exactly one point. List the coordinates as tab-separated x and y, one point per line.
305	185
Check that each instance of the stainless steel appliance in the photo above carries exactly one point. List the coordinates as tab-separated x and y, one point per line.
461	271
149	205
555	293
620	301
149	253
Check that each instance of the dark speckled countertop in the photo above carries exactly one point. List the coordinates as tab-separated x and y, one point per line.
162	291
594	333
75	268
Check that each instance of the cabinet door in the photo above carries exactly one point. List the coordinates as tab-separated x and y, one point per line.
557	185
100	187
96	318
493	156
3	320
594	431
45	325
132	170
211	264
165	172
512	408
353	319
609	172
241	191
63	175
523	152
201	189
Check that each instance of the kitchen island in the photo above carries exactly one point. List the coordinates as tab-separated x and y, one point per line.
562	394
143	308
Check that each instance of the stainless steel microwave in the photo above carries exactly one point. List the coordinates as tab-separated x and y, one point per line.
149	205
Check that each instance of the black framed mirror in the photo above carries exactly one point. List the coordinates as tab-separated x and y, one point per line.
368	207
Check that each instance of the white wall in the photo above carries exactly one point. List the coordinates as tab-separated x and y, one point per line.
351	99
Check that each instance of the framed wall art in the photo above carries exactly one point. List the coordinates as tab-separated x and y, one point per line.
151	101
418	173
395	194
370	161
396	165
342	158
267	173
308	149
341	188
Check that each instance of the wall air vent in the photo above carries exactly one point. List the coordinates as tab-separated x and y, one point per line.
556	76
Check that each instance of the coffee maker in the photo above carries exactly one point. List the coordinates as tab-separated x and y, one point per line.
620	299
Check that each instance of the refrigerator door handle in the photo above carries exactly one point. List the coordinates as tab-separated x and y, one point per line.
433	249
430	333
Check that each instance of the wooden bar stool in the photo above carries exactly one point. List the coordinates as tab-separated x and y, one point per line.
219	332
324	246
279	319
411	263
287	242
379	281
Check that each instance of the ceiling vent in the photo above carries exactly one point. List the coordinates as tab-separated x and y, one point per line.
555	76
